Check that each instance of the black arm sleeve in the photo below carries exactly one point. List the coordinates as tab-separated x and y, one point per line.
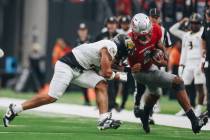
127	69
203	36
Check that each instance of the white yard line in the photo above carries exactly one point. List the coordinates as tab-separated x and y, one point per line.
86	111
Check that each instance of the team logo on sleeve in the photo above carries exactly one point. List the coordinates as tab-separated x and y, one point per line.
130	44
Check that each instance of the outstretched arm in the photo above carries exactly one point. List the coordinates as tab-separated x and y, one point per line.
106	63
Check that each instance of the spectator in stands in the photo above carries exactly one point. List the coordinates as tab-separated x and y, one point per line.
110	29
124	24
83	35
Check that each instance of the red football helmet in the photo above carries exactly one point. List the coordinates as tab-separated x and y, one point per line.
141	27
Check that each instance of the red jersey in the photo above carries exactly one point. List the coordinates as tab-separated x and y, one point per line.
142	53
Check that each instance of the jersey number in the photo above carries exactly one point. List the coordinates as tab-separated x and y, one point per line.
190	45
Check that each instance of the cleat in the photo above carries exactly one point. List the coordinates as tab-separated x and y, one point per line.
138	112
109	124
9	116
200	122
145	122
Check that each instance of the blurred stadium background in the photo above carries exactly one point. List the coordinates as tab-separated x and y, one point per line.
35	33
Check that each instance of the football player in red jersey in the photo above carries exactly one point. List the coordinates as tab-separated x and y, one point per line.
147	38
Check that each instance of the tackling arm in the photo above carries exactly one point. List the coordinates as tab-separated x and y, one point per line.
106	63
106	66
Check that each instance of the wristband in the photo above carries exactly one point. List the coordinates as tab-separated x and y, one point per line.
123	76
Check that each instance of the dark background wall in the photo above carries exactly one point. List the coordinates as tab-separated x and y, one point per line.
11	14
64	18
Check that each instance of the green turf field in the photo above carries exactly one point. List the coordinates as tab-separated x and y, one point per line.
36	127
167	106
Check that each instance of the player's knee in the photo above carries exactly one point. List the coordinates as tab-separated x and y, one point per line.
178	84
102	86
51	99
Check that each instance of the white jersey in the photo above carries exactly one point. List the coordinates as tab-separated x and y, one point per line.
191	52
176	31
88	55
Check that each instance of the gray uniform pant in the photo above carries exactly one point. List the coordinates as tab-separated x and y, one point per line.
155	79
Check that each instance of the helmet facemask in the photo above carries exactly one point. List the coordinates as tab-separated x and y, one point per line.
195	22
195	26
142	38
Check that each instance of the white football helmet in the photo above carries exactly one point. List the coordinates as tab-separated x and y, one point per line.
141	27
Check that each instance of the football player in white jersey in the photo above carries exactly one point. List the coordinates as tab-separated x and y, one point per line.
77	67
190	59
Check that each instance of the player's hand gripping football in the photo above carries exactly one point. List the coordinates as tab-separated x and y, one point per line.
159	58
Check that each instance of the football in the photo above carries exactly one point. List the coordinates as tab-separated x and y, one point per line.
157	55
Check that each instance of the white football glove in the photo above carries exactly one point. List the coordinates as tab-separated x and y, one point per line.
123	76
